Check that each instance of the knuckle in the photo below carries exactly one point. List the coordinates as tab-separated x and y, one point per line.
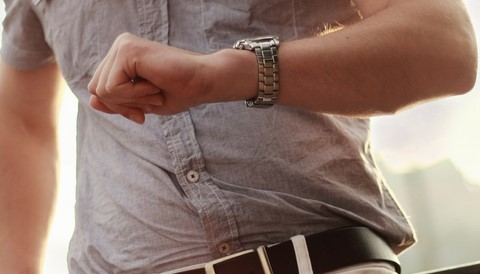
109	89
125	41
124	36
92	88
100	93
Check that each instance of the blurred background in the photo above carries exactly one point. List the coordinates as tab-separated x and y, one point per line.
429	155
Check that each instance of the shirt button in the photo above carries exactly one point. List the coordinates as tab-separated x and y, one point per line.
192	176
224	248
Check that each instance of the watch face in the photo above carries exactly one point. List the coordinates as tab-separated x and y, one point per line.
258	103
265	39
251	43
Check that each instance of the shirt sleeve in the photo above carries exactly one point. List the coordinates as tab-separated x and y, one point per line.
23	41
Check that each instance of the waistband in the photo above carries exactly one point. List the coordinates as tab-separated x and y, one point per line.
314	254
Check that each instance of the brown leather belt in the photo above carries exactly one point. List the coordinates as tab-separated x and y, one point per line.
328	251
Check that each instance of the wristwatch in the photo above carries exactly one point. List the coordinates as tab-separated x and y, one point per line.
268	69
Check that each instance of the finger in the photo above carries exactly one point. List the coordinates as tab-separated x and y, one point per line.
93	84
95	103
152	99
143	88
121	78
122	71
111	62
133	113
102	89
133	89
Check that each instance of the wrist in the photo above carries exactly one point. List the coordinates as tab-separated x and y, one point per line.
234	75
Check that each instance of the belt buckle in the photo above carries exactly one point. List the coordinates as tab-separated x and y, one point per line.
255	260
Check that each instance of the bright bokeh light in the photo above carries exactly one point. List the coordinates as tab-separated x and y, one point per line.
443	129
64	221
464	136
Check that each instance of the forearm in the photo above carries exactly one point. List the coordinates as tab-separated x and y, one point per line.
28	164
403	53
28	181
383	63
407	53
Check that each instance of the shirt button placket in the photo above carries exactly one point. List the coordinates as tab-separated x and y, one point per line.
193	176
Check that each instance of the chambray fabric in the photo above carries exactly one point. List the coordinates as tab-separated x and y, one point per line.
218	178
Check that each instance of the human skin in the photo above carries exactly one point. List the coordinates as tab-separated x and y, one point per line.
28	164
403	53
388	63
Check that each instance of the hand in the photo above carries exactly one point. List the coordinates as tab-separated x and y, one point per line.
139	76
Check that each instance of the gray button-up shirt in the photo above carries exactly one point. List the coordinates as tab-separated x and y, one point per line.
218	178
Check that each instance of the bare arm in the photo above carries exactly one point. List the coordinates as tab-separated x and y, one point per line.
408	52
404	52
28	164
